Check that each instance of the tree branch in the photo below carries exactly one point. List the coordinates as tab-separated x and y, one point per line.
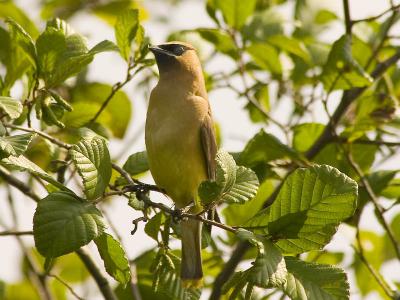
15	182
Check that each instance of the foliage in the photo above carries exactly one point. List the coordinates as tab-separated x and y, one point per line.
307	173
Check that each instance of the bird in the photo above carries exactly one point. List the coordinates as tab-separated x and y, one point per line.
180	142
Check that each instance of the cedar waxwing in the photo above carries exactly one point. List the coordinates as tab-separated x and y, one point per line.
180	142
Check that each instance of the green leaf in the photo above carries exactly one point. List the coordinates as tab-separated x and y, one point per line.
63	223
126	28
14	145
364	156
392	190
24	164
379	180
263	24
235	12
238	214
262	96
310	205
324	16
269	269
9	10
225	178
304	135
104	46
13	58
235	283
152	227
114	258
12	107
266	57
341	71
290	45
71	268
113	117
134	202
92	159
21	290
376	249
244	188
325	257
166	279
264	147
311	281
220	39
62	53
232	185
23	39
136	163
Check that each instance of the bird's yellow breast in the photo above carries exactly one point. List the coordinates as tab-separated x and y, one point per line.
173	142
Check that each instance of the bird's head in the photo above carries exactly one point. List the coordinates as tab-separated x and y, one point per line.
176	56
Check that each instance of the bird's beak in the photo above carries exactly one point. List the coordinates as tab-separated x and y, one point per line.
158	50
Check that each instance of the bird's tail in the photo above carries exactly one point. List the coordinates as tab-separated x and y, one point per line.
191	267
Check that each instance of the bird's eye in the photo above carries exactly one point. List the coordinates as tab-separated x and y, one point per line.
179	50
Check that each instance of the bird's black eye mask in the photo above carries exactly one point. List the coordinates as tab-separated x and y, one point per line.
167	55
174	49
170	49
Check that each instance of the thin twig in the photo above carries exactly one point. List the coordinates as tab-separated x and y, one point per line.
368	142
378	278
97	275
370	19
115	88
64	283
384	35
246	94
378	208
15	233
180	214
42	134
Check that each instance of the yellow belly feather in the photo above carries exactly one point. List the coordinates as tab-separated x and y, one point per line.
174	147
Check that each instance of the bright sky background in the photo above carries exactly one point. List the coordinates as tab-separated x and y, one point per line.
228	112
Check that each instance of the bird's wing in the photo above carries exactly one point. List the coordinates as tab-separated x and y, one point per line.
209	144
